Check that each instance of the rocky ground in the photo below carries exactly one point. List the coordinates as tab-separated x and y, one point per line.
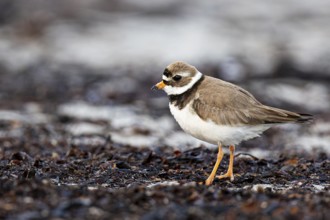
83	137
124	157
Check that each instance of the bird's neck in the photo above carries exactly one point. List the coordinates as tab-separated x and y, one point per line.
181	100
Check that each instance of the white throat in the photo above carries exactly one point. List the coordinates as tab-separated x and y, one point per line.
170	90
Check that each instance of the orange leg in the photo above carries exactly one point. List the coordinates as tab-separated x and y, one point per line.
229	173
215	168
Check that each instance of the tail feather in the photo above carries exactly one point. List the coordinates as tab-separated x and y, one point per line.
277	116
304	118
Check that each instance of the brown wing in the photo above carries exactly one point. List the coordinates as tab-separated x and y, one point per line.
227	104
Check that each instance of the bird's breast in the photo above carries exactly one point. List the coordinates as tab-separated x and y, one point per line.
211	132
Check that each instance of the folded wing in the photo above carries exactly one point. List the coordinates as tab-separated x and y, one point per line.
238	108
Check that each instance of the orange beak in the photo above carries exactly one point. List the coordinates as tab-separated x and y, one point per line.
159	85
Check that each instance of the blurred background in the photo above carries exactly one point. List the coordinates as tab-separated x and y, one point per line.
87	66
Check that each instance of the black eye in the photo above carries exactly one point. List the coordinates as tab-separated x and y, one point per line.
177	77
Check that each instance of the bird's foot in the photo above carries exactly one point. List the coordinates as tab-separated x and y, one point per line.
227	175
209	181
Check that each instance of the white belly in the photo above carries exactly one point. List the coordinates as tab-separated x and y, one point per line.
210	132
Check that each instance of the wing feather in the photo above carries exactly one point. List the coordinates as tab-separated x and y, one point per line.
227	104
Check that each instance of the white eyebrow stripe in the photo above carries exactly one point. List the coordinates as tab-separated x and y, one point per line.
166	78
183	74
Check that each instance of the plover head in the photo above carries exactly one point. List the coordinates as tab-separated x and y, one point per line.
178	77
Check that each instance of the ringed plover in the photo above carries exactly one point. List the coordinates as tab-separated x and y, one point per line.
217	111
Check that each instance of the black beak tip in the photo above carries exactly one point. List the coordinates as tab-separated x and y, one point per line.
154	88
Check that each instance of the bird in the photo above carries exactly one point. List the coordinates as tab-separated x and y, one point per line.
218	112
